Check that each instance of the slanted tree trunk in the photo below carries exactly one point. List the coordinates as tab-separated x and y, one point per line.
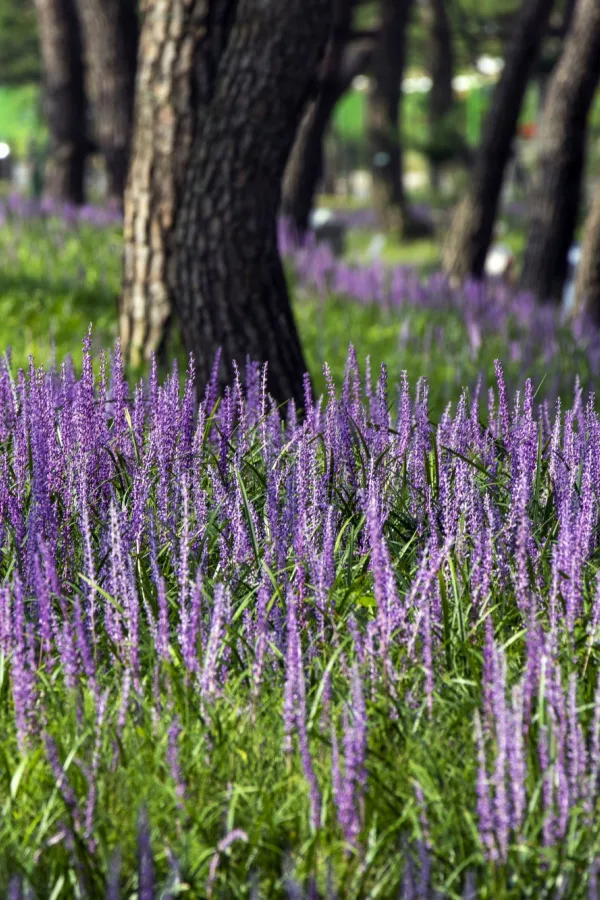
110	39
236	75
471	232
383	124
556	192
587	284
304	169
64	99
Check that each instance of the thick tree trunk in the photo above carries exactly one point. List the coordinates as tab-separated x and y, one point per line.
229	286
110	38
556	192
173	32
304	169
587	284
382	116
224	86
64	99
472	228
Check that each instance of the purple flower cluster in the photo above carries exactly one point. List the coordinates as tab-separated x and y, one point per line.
350	550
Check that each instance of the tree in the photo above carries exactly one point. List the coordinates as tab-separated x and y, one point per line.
64	99
214	128
556	191
470	235
587	284
383	123
441	56
344	60
441	65
110	38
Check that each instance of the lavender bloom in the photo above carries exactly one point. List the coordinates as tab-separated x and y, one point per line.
146	886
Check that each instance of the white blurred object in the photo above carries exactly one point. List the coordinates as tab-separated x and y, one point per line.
328	229
416	84
4	150
320	217
360	182
21	176
490	65
375	248
361	83
499	262
568	298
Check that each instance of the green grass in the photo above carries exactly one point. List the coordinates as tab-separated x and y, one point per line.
19	117
55	281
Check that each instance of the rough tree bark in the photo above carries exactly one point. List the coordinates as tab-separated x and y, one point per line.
587	284
64	99
173	31
556	191
305	165
383	123
233	80
470	235
110	39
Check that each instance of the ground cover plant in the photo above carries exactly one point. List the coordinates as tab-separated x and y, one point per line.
344	655
62	268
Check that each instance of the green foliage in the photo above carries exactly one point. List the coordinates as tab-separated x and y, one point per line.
19	51
20	120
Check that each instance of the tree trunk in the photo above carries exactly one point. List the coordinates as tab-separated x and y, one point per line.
64	99
382	116
587	284
173	31
304	169
556	192
229	286
441	57
201	237
472	228
441	64
110	38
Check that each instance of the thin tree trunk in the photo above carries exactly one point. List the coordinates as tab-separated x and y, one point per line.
110	37
64	99
304	169
229	286
472	227
441	60
587	284
556	192
383	123
441	56
235	77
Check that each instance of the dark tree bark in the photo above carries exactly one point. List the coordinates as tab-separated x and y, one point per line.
110	39
556	192
304	169
441	55
383	123
587	284
64	99
441	65
472	228
201	237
